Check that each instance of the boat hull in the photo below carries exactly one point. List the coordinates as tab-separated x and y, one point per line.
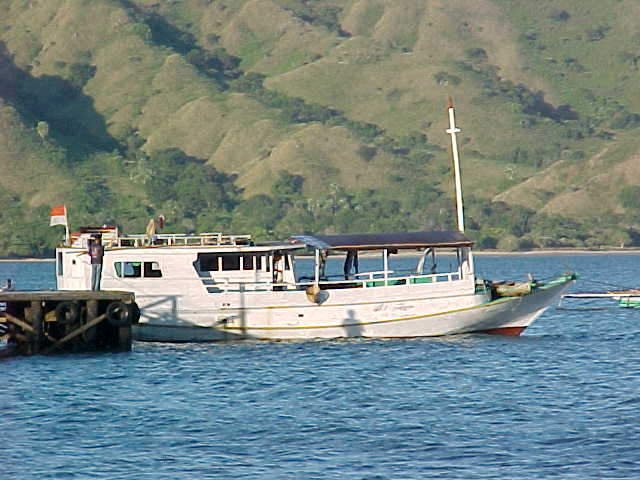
629	302
388	318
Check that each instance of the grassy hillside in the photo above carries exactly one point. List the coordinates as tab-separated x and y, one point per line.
344	98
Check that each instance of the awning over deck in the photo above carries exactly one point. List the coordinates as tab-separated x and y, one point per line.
379	241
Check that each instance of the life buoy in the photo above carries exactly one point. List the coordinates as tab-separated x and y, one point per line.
67	313
118	314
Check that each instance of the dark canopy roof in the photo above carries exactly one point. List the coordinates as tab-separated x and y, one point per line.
377	241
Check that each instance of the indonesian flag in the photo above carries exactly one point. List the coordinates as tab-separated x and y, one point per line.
58	216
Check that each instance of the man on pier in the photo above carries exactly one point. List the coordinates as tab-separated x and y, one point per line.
96	252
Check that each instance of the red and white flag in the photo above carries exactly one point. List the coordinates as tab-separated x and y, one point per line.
58	216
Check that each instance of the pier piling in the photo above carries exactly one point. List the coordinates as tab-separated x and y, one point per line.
44	322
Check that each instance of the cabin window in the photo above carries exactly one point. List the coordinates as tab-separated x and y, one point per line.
137	269
251	261
214	262
129	269
208	262
152	270
60	265
230	262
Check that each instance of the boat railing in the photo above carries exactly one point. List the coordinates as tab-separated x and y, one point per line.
369	280
179	240
378	279
372	279
226	284
371	275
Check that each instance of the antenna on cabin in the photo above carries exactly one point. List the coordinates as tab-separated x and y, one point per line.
452	130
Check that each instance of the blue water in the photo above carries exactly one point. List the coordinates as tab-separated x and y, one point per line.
562	401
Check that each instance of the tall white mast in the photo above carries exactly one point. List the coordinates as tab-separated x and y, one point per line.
452	130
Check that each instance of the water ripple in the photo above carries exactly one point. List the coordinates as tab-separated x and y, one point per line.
560	402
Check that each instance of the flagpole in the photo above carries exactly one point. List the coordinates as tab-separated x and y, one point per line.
66	227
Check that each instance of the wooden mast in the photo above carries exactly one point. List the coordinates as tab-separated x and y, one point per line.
452	130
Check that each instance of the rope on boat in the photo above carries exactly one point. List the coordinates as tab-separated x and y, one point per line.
584	309
605	284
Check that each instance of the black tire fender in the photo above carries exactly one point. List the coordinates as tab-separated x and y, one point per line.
67	313
118	314
134	312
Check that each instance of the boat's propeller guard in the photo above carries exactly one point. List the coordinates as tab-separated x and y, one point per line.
122	314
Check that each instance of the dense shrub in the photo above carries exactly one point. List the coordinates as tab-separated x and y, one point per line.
629	197
80	74
559	15
367	152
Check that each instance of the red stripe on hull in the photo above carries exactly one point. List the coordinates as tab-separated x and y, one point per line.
508	331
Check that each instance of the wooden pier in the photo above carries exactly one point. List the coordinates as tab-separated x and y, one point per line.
43	322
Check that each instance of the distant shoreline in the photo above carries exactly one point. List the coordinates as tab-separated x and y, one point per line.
577	251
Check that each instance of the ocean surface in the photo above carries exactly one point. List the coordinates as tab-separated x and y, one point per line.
560	402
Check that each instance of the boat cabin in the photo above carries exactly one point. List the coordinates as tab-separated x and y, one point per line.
212	260
220	263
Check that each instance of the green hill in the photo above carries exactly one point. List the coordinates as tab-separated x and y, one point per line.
282	116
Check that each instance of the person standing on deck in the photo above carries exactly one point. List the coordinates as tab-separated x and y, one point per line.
278	268
351	262
96	252
150	232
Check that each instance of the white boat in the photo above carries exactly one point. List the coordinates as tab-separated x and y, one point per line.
212	287
216	287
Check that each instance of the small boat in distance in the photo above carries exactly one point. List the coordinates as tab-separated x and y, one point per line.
625	298
213	287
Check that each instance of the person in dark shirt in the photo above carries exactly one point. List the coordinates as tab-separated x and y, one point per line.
96	252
